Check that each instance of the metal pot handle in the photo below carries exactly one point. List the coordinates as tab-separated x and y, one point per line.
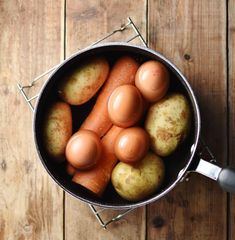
224	176
204	163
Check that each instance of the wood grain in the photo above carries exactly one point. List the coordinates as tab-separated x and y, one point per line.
231	88
87	21
31	205
193	35
190	33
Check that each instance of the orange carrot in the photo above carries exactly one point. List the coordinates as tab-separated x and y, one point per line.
123	72
97	178
70	169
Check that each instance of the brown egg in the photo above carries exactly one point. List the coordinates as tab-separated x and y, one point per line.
131	145
125	106
83	149
152	79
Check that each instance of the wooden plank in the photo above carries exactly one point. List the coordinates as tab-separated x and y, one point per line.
231	92
86	22
31	205
193	35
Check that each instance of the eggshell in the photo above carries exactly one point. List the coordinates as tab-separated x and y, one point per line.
83	149
132	144
125	106
152	79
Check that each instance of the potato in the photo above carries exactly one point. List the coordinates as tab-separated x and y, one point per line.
57	129
137	182
168	123
84	81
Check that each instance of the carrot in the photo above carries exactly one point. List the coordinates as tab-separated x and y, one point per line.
123	72
70	169
97	178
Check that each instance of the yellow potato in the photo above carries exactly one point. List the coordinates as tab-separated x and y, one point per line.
84	81
137	182
57	129
168	123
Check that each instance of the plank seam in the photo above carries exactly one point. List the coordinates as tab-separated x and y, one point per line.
65	4
228	115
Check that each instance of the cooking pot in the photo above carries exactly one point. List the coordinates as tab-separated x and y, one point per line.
185	159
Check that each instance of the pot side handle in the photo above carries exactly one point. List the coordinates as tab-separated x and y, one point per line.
224	176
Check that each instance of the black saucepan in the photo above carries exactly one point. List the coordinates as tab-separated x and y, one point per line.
177	165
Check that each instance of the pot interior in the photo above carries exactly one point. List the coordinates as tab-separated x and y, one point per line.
174	164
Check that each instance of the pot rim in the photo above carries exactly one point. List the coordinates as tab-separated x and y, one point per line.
193	148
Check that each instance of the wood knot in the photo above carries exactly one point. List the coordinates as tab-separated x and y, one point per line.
3	165
187	57
158	222
28	228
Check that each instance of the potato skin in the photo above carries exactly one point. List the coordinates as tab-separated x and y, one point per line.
168	123
57	129
138	181
84	81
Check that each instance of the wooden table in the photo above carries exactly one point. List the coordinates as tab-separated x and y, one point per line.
198	36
